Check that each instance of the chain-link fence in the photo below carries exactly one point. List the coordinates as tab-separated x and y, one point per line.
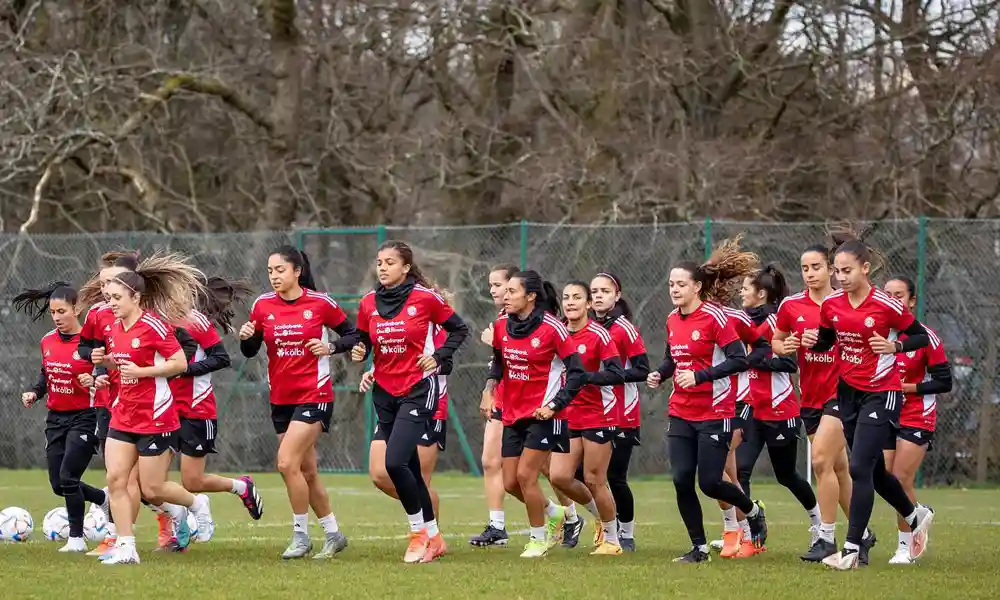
954	264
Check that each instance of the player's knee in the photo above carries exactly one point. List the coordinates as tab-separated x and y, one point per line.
510	484
708	484
684	478
860	469
822	462
288	465
525	478
492	462
192	482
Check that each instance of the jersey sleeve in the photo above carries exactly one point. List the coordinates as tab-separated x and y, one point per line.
746	332
725	333
255	312
900	321
204	333
767	328
498	328
782	319
631	342
440	311
826	315
564	344
935	351
364	314
608	350
166	346
333	315
89	325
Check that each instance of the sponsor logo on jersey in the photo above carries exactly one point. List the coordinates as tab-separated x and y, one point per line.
800	319
288	352
270	317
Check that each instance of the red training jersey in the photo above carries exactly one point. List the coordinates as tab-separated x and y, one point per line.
879	313
97	326
144	405
745	329
62	365
920	411
533	366
628	342
440	335
594	406
400	341
296	375
818	371
696	343
772	394
194	396
498	390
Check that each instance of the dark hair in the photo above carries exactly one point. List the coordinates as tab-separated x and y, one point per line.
507	268
167	284
621	305
299	260
215	301
722	274
846	240
772	281
820	248
582	284
911	287
546	296
406	253
128	259
35	302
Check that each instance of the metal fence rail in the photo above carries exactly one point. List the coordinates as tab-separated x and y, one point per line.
954	263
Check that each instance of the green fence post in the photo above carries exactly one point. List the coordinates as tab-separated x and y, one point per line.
300	238
380	236
524	245
921	294
708	237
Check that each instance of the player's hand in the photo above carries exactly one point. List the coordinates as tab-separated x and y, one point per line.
248	329
909	388
653	380
487	335
86	380
97	355
880	345
102	381
367	380
685	379
791	344
358	352
427	362
28	398
544	413
317	347
810	337
486	404
131	370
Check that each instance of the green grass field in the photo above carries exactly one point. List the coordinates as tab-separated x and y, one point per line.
242	561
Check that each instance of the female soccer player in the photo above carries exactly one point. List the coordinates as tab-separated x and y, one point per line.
144	419
396	321
925	374
865	321
591	419
775	415
495	532
612	311
70	440
702	353
195	397
292	321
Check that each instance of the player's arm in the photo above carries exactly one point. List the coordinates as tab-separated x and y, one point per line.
612	373
576	378
457	331
216	359
348	337
735	362
496	370
939	376
762	357
41	386
916	337
188	343
668	366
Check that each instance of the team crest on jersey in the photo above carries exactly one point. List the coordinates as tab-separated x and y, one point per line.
76	355
695	335
869	322
307	314
581	349
535	342
135	342
911	354
411	310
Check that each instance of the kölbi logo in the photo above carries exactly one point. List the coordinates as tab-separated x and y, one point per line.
297	351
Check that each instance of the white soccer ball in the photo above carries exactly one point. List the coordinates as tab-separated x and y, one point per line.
55	525
95	525
16	524
193	527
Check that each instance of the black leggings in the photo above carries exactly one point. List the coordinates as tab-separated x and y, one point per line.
869	475
621	455
783	459
402	463
68	458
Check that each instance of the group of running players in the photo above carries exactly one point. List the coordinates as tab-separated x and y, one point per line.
561	397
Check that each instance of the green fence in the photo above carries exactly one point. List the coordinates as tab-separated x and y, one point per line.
954	263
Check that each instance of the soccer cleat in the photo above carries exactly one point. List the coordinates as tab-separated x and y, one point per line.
819	551
535	549
758	526
251	500
607	549
694	555
731	541
123	555
165	530
334	544
182	534
203	515
553	527
571	533
902	556
842	561
491	536
747	549
716	545
417	547
627	544
598	533
106	546
925	516
813	534
298	548
436	548
866	545
74	545
173	546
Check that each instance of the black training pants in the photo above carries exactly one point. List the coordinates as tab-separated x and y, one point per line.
402	421
71	441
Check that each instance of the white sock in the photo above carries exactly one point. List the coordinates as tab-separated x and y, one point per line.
828	532
416	521
851	546
176	512
551	509
571	516
627	529
300	524
729	522
867	534
126	541
239	487
592	509
911	519
200	500
745	526
905	539
814	519
497	519
329	524
432	528
157	508
754	511
610	532
112	530
703	548
537	533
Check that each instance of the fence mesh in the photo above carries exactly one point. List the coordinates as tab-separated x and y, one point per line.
954	263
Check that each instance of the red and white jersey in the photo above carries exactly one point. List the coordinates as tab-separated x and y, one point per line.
194	396
696	343
920	411
745	329
772	394
498	390
440	335
62	365
594	406
628	342
296	375
879	313
533	367
97	326
818	371
400	341
144	405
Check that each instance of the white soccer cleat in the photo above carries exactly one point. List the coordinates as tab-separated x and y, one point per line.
74	545
716	545
123	555
813	535
842	561
902	556
921	537
203	515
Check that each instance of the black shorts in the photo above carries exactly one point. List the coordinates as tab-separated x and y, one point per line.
744	413
197	436
870	408
418	405
437	433
598	435
812	416
103	422
718	432
496	415
628	436
313	412
148	444
774	433
80	425
549	436
914	435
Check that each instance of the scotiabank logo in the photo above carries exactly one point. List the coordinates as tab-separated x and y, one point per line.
854	359
818	358
296	351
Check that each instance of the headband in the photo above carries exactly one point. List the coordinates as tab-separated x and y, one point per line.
614	280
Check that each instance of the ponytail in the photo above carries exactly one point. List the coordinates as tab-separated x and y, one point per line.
546	296
847	240
167	285
773	282
724	270
550	299
90	292
35	302
217	298
406	255
299	260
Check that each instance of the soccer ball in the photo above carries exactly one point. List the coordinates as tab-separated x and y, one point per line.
16	524
55	525
95	526
193	527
